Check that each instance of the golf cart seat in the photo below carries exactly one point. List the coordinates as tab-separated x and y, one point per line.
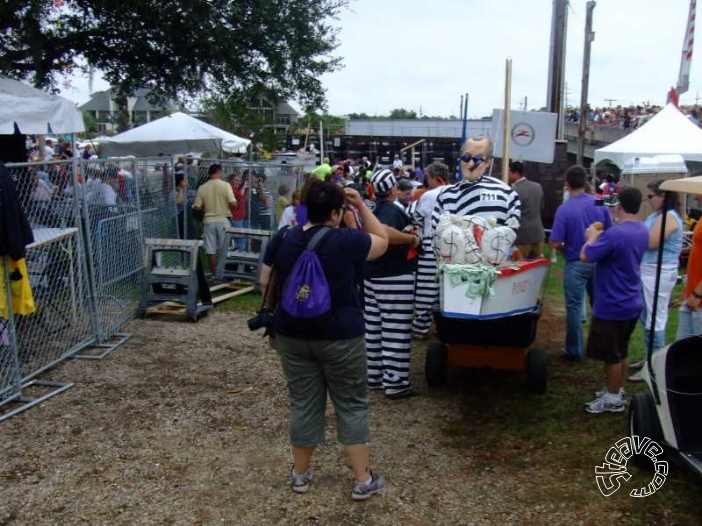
684	385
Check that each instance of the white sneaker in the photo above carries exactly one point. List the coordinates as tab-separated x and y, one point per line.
605	404
600	394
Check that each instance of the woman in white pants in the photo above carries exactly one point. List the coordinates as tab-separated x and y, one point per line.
669	266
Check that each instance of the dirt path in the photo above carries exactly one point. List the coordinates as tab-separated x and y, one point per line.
186	424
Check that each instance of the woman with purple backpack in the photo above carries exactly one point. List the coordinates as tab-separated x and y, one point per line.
326	353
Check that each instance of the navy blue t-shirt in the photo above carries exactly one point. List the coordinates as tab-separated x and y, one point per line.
342	253
394	261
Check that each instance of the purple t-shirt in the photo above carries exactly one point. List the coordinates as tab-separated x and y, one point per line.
572	219
617	254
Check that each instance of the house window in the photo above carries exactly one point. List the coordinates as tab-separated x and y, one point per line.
139	117
283	120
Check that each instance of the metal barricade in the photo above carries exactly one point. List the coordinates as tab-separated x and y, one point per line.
129	200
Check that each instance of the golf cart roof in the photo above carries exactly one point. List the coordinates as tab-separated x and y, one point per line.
688	185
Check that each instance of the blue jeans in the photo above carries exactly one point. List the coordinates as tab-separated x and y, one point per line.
577	280
239	242
689	323
658	339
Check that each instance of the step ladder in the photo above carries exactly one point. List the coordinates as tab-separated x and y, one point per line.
173	273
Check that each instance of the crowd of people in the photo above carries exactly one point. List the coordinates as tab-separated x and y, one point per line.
379	261
626	117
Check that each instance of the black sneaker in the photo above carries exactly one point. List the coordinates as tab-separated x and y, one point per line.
407	393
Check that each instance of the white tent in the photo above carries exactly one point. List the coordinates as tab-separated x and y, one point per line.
35	111
668	132
173	134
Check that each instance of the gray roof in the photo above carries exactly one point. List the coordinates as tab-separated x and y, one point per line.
285	109
100	101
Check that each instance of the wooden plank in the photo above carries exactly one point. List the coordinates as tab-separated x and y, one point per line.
228	295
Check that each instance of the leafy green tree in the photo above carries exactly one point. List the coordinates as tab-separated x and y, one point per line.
176	47
332	124
401	113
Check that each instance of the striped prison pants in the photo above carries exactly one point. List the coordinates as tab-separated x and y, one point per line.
389	303
427	289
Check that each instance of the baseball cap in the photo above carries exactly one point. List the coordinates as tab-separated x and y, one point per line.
383	181
611	200
404	184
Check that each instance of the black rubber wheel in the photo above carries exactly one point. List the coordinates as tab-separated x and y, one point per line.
537	370
435	367
643	421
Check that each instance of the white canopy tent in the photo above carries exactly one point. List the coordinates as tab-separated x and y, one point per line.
36	112
173	134
669	132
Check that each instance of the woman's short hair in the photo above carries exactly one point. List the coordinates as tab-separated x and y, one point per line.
321	199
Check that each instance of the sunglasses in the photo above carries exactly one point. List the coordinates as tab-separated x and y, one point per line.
477	159
651	196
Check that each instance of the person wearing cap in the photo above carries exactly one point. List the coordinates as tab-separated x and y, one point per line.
669	266
389	297
437	176
404	193
616	253
397	162
568	236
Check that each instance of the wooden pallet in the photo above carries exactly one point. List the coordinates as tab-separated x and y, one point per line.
230	290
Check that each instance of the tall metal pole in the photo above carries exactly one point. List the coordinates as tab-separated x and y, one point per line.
556	66
589	37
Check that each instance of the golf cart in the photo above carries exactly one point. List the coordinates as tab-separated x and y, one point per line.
670	413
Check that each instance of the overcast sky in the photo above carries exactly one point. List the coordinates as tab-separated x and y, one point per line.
416	55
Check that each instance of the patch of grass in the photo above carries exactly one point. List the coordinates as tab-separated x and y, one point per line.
550	442
249	304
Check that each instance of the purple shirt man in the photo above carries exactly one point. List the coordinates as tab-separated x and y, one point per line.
572	219
617	255
568	235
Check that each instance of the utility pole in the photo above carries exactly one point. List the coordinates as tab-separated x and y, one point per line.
589	37
610	101
556	62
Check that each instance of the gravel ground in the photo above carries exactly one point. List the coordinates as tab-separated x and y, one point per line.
186	424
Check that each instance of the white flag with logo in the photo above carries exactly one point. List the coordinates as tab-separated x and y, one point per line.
532	134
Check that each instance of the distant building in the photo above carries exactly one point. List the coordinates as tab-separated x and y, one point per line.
103	109
279	117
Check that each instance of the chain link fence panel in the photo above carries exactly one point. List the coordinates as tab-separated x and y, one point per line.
126	201
51	195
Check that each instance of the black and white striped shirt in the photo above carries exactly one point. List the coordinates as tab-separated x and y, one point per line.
486	197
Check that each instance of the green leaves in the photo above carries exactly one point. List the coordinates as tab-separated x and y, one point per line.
176	47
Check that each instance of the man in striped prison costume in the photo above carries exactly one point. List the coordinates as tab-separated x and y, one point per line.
389	296
436	177
479	194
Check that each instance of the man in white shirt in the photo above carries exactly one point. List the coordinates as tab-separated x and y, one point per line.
49	150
